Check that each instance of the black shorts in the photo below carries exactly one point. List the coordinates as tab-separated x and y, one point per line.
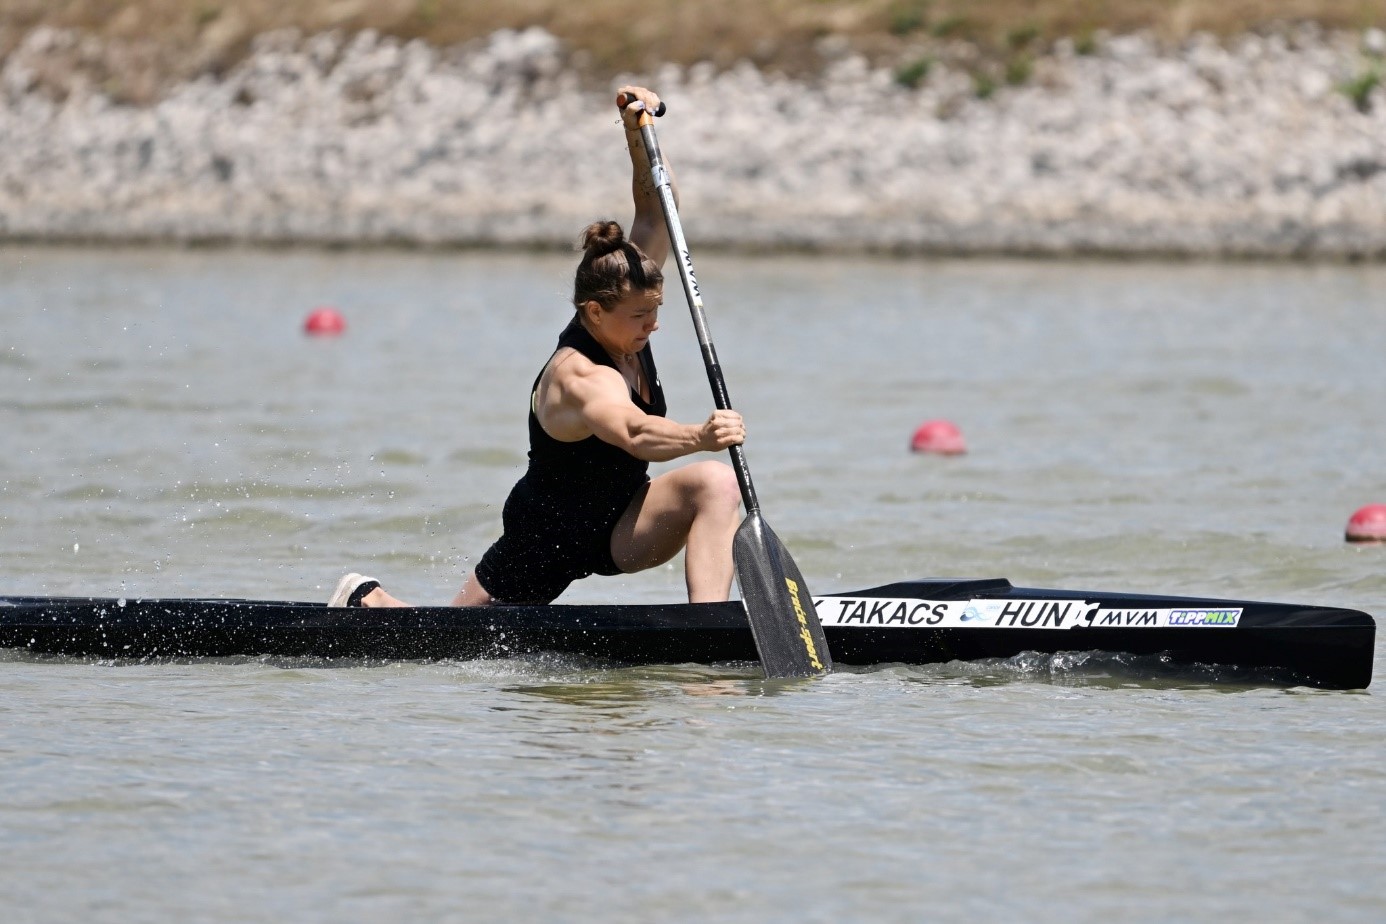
550	539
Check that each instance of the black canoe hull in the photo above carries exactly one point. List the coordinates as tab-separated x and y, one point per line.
914	622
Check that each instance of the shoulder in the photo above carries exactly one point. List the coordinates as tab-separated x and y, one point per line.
572	374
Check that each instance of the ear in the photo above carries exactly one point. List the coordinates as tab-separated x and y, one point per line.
592	311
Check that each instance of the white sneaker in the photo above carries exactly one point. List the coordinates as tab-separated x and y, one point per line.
351	588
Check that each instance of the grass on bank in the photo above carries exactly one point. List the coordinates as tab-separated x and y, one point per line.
1359	88
169	40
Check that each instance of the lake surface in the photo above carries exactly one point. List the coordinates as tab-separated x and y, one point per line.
168	430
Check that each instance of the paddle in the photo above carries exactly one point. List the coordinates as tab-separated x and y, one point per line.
783	620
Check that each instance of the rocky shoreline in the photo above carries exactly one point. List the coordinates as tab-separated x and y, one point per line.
1249	147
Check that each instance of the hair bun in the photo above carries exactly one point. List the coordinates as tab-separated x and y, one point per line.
601	238
611	266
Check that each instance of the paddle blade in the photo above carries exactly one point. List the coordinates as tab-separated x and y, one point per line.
783	619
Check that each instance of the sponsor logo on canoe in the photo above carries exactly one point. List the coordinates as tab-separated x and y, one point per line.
896	612
907	612
1168	618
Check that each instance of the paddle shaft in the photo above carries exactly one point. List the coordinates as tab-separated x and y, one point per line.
679	244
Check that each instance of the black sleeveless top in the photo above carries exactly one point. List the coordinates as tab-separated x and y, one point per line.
559	517
592	465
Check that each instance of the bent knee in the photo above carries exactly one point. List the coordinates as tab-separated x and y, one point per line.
717	485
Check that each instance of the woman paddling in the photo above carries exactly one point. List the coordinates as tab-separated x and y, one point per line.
586	504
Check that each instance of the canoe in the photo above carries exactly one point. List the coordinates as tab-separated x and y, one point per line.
912	622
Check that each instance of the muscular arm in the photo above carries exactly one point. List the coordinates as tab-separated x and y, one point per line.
581	399
647	230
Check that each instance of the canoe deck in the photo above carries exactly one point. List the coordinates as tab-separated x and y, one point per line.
913	622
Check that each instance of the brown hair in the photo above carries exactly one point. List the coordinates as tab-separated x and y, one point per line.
611	267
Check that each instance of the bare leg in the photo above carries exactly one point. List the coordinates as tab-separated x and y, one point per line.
379	598
697	507
471	594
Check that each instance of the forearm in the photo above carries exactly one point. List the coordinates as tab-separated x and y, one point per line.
642	183
648	230
658	439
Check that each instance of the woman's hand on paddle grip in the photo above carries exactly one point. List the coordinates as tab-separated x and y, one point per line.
723	429
630	115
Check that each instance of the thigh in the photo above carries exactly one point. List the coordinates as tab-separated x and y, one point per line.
655	525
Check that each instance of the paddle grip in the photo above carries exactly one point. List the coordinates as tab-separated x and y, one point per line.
622	101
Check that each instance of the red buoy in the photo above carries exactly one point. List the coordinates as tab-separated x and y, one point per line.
1368	524
939	436
324	322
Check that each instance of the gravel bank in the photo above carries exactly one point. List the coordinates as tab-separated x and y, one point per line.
1248	147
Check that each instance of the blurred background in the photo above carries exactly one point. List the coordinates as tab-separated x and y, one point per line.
1047	126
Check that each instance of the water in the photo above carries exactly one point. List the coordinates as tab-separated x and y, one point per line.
168	431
